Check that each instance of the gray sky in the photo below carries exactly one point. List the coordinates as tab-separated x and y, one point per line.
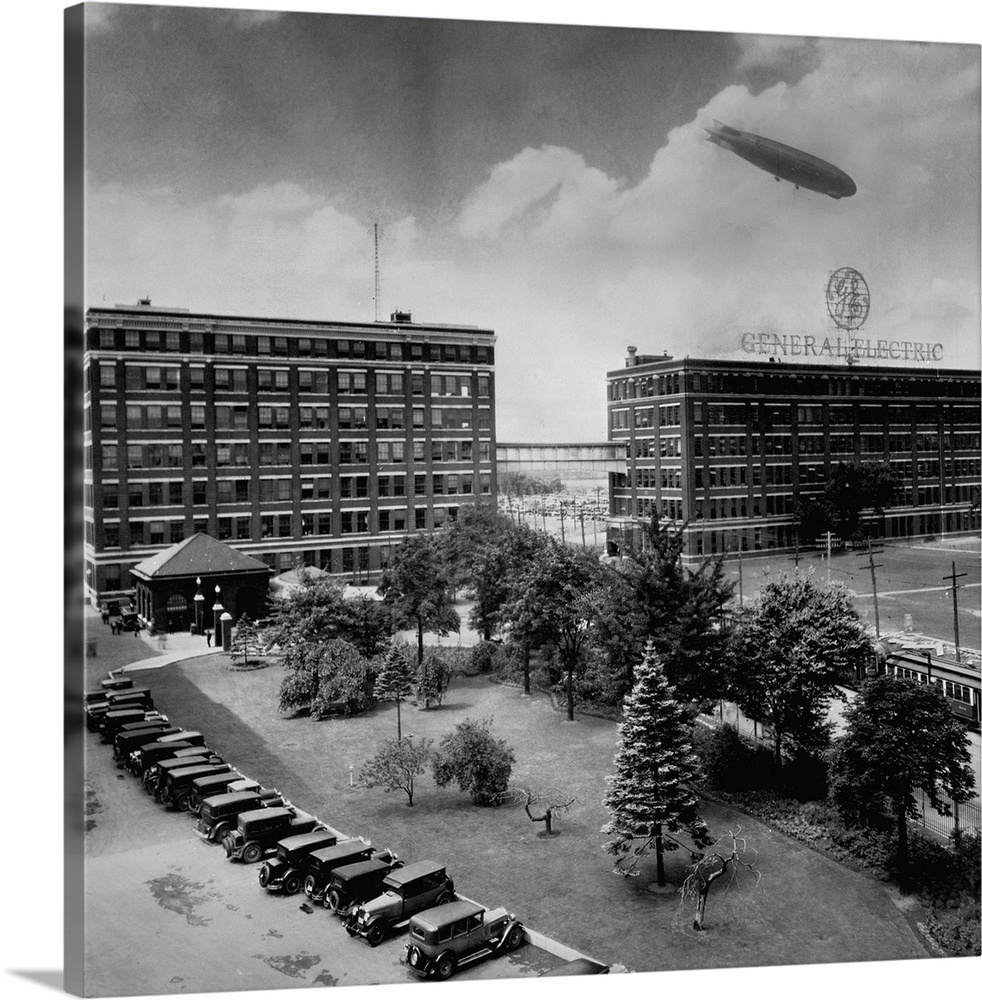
549	182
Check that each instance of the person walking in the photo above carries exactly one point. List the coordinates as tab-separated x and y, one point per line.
208	638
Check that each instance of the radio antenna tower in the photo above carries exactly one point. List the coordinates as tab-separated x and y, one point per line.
377	289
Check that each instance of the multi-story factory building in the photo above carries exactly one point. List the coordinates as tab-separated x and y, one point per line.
730	448
325	443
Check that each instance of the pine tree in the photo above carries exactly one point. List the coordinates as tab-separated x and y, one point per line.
396	680
647	798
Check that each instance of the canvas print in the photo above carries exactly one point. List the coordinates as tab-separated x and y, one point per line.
527	501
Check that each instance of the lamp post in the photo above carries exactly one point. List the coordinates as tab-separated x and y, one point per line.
199	609
217	610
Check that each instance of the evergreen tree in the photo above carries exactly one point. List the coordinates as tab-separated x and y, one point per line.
647	798
396	680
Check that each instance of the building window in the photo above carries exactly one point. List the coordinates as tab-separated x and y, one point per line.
107	376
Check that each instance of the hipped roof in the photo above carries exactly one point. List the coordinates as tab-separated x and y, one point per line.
199	555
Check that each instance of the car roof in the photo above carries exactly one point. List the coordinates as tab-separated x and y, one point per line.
229	798
193	770
305	839
440	916
161	745
360	868
183	735
416	870
341	850
264	813
215	779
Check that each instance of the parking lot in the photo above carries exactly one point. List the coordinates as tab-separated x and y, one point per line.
166	912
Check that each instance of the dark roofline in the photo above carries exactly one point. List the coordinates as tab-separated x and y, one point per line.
186	315
671	364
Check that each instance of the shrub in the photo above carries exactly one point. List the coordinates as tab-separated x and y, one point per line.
482	658
479	762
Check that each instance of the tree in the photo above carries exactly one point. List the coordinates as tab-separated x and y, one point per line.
552	802
477	761
550	605
417	590
325	677
795	642
901	737
852	488
366	624
727	859
680	611
648	798
313	612
432	680
245	640
397	765
395	681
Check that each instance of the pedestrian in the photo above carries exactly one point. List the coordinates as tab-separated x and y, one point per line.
105	616
112	627
208	637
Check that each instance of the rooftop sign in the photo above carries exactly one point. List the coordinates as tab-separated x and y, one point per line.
848	349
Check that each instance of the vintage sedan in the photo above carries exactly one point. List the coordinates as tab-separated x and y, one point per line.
353	884
285	873
406	891
258	832
447	937
219	814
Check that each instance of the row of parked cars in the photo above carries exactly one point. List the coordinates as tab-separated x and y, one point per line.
372	891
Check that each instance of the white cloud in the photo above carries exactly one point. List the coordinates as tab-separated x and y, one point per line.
760	51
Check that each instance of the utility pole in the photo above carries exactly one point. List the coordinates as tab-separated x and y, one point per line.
582	529
562	521
828	558
740	571
954	601
873	567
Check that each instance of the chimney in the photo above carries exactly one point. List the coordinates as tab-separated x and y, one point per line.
631	360
401	317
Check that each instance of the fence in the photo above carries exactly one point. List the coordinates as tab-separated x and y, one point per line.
966	817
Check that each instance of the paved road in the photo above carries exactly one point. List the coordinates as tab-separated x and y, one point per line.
152	881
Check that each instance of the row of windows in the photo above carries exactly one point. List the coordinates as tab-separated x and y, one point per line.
232	454
195	342
144	378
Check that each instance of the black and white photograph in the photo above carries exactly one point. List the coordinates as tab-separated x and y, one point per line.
522	502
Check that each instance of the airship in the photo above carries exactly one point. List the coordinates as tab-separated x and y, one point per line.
784	162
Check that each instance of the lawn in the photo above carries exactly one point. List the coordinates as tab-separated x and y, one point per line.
813	910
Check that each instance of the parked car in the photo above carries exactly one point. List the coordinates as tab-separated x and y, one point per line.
119	682
208	785
578	967
320	865
154	775
129	741
219	814
446	937
285	872
353	884
145	756
406	891
258	832
173	790
111	722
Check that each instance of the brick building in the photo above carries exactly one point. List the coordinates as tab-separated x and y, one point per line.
729	448
291	440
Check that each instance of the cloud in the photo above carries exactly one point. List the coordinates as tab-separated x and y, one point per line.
764	51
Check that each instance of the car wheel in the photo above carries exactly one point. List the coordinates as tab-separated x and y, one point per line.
291	883
183	803
333	900
264	876
227	844
251	853
445	965
309	885
375	933
515	937
444	897
221	832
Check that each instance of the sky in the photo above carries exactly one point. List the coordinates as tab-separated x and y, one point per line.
551	183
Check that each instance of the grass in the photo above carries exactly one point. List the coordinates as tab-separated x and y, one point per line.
813	909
